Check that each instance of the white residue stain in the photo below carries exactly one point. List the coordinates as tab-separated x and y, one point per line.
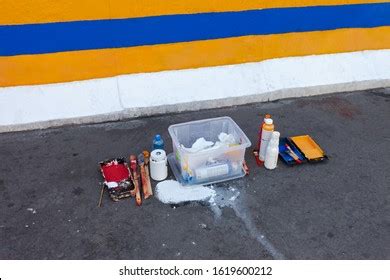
225	197
246	217
202	225
231	197
172	192
32	210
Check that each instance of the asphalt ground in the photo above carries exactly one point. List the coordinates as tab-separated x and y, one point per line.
49	189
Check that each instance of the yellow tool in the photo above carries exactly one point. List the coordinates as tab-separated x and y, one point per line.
309	147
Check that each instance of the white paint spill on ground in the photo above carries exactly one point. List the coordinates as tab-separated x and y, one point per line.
246	217
172	192
225	197
229	197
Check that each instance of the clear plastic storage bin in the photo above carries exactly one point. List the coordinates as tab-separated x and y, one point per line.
220	162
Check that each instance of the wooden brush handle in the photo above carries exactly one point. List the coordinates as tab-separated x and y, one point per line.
143	178
133	168
132	192
101	197
138	199
148	184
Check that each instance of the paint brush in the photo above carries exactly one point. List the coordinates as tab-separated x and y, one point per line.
101	197
141	164
292	154
132	192
146	155
133	168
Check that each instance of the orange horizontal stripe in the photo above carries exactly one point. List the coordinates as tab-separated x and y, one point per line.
42	11
81	65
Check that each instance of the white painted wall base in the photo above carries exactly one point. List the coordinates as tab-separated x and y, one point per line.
127	96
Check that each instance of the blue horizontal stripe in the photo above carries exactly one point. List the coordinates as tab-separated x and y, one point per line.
118	33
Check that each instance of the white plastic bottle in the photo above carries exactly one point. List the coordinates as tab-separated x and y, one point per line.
158	165
266	133
272	152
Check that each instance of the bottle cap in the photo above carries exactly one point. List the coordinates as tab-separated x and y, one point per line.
157	137
267	116
268	121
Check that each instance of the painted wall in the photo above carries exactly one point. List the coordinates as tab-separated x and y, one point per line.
102	51
46	41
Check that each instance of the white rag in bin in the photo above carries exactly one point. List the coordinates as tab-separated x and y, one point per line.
202	144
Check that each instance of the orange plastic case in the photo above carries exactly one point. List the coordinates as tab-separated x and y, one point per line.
311	150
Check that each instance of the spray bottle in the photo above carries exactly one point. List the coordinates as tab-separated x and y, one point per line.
272	152
267	116
266	133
